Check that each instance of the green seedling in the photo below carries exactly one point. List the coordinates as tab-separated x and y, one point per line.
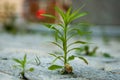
107	55
37	60
88	52
22	65
94	51
64	32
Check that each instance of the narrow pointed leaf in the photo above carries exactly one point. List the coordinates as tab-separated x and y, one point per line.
68	12
59	57
74	15
79	15
60	37
71	36
17	60
77	42
31	69
55	60
57	30
56	44
71	58
60	12
47	25
48	15
75	30
56	56
25	60
82	58
78	32
61	25
54	67
52	54
72	49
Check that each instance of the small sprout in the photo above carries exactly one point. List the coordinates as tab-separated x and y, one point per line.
88	52
64	32
37	60
31	69
54	67
107	55
22	64
93	52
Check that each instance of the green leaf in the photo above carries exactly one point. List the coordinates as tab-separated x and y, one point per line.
25	60
52	26
54	67
62	14
57	30
79	50
57	44
76	48
37	60
107	55
77	42
53	55
48	15
76	14
78	31
71	58
79	15
82	58
61	25
68	12
17	60
71	36
31	69
56	57
47	25
55	60
58	37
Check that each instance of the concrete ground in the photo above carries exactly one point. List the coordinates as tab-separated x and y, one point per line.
15	46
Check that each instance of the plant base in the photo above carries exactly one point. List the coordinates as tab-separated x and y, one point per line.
23	77
63	72
67	69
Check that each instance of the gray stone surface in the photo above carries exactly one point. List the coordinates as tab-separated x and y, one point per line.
99	68
81	70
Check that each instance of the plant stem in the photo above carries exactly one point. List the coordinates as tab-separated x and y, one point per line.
23	76
65	45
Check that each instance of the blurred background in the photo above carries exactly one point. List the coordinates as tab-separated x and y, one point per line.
21	26
22	32
104	15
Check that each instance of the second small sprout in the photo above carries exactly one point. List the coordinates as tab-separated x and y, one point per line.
22	65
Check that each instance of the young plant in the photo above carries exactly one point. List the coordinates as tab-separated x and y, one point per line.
37	60
107	55
22	65
64	32
88	52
